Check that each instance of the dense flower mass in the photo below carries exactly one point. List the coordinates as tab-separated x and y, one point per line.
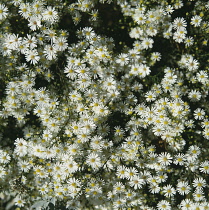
104	104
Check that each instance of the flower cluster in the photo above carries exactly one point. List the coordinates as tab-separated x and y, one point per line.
89	121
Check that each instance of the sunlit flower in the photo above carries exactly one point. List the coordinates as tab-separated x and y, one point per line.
3	11
169	191
32	56
163	205
204	167
183	187
50	14
196	20
199	114
94	160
